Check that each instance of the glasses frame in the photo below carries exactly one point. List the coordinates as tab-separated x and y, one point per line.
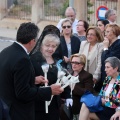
76	63
67	26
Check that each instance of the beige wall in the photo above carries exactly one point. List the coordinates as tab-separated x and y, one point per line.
37	10
118	12
81	9
80	6
3	8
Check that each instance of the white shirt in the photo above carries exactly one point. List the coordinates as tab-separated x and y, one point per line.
22	46
107	92
119	37
74	25
110	22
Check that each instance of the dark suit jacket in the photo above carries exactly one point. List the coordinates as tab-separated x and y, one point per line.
113	50
75	45
86	83
4	111
17	83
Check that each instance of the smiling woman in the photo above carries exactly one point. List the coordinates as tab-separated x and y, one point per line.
92	48
43	54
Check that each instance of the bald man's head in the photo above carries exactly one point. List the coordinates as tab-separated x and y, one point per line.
70	13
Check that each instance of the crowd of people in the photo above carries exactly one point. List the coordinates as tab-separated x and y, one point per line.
90	52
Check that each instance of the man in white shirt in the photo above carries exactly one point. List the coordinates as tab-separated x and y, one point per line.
71	14
110	15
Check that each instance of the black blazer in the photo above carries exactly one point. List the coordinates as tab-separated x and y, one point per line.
75	45
17	83
113	50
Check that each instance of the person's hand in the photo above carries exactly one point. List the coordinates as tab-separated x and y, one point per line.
40	80
115	116
95	80
56	89
69	102
103	101
66	59
106	42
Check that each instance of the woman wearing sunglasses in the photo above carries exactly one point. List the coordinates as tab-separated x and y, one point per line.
78	62
70	44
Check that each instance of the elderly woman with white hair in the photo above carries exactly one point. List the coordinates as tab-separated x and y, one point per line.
110	94
43	54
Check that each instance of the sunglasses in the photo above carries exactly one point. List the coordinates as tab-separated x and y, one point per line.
68	26
76	63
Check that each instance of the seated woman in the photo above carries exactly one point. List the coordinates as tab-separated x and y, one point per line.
86	83
43	54
110	93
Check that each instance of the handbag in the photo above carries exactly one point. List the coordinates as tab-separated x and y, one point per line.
93	102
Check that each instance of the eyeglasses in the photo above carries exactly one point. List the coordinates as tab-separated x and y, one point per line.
76	63
68	26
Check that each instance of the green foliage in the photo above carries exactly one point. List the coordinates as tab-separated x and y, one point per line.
15	2
89	4
89	12
46	2
65	5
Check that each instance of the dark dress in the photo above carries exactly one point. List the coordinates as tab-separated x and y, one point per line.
53	109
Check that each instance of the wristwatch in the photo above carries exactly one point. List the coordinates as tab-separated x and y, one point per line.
117	109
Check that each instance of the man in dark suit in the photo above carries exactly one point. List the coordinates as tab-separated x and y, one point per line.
17	77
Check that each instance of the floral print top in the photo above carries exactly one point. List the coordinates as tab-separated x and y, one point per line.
114	96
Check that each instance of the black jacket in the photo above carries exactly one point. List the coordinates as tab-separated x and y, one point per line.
17	80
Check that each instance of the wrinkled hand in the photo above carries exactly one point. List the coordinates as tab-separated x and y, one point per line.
40	80
116	115
56	89
66	59
103	101
106	42
69	102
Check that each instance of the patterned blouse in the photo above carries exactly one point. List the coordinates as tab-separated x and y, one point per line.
114	96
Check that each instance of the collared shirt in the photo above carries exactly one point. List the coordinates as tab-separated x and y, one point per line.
74	24
22	46
110	22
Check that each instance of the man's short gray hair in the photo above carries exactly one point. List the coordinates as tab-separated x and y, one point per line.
108	13
114	61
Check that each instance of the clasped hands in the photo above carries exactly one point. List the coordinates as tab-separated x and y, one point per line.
55	88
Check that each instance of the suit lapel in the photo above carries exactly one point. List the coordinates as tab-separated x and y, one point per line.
93	54
86	49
